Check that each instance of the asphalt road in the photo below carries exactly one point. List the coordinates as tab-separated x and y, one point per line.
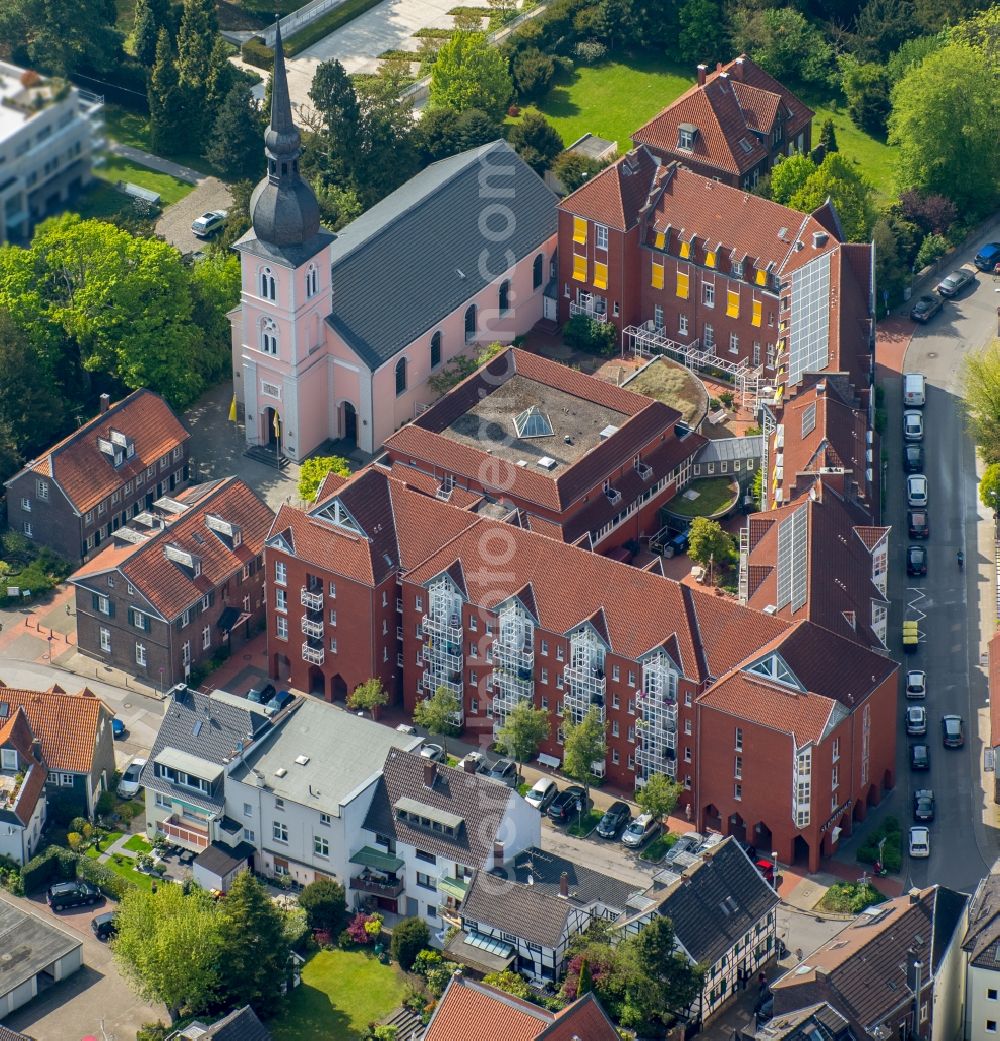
956	609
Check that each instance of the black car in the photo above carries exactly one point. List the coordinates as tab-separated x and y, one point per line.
615	818
568	803
913	459
261	695
916	560
917	524
278	702
923	805
920	757
105	925
953	284
72	894
925	308
504	771
952	731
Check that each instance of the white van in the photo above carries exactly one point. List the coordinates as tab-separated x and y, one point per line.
914	390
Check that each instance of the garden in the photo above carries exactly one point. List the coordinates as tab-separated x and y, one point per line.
29	568
850	897
705	497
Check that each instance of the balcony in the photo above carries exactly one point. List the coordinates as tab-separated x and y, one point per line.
388	887
512	686
313	629
431	681
316	655
313	599
514	656
614	496
450	630
187	835
586	679
438	654
595	311
644	470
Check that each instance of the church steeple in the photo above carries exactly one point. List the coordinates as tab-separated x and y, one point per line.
283	207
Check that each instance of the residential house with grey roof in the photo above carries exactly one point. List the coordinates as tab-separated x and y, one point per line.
302	793
430	828
524	915
337	335
982	951
723	914
240	1025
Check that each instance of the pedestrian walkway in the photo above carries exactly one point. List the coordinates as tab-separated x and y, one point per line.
154	162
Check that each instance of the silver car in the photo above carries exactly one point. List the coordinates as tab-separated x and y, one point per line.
913	425
916	490
916	720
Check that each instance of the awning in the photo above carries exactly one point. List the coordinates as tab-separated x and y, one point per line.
453	887
231	617
370	857
465	949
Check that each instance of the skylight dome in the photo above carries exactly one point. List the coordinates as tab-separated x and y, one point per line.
532	422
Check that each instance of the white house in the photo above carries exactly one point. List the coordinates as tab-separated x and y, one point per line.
22	788
982	949
301	794
430	828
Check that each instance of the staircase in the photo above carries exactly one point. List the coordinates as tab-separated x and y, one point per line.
409	1026
267	456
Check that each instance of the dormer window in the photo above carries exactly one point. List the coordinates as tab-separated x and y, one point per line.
685	136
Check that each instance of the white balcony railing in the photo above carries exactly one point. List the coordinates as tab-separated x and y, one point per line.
311	628
312	600
590	310
316	655
644	470
614	496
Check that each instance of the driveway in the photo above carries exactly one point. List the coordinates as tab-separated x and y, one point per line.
956	609
96	1000
175	221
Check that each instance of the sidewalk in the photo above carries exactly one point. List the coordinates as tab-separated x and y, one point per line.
154	162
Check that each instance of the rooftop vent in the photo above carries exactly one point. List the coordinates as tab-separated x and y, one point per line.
522	462
532	422
770	609
547	462
280	772
302	759
608	431
783	234
819	239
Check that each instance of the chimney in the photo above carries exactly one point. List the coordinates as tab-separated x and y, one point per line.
820	389
737	69
702	75
914	895
105	403
718	66
564	885
498	854
36	749
819	239
821	972
430	774
469	765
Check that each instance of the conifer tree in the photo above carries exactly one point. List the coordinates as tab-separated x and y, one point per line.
166	102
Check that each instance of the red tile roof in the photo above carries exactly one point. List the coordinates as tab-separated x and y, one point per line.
68	725
430	485
736	103
584	1020
617	194
170	587
16	732
86	474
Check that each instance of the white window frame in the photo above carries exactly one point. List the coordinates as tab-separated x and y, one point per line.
140	654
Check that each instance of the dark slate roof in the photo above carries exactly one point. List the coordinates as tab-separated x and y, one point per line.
241	1025
716	902
32	943
982	939
819	1022
6	1034
586	886
224	728
415	257
526	911
480	803
949	909
220	859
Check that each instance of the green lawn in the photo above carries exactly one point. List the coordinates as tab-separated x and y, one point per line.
109	837
658	848
131	128
341	993
125	869
874	157
714	495
612	99
100	202
170	189
139	844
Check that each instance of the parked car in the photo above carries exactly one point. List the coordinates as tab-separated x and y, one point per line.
72	894
280	700
567	804
913	425
129	784
952	731
953	284
641	830
435	753
916	560
916	720
988	257
209	223
913	458
105	925
916	490
615	818
920	841
916	683
918	524
925	308
504	771
117	728
261	695
923	805
920	757
477	759
542	793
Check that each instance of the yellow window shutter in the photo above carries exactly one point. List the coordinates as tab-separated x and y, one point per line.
733	303
761	277
661	240
579	267
755	320
600	275
682	285
685	250
657	280
710	259
579	229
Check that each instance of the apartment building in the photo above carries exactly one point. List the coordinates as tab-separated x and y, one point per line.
49	130
112	468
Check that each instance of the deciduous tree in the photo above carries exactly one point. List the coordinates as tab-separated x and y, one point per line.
666	982
573	169
524	729
409	938
315	469
509	982
788	176
783	42
325	906
989	487
585	744
471	73
659	796
850	191
709	544
536	141
62	36
702	36
982	400
867	89
436	713
369	696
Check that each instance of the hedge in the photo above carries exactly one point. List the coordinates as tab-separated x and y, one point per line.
257	53
109	883
53	862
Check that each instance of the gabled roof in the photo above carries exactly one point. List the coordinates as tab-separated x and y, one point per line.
586	886
863	970
716	901
616	196
517	909
241	1025
479	803
982	938
15	732
85	473
170	586
736	106
412	259
68	725
584	1020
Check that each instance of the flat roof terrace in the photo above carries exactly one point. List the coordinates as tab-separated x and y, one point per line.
576	424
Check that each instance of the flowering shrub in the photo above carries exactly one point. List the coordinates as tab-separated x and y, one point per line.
365	929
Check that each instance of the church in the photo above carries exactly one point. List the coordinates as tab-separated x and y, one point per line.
337	335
